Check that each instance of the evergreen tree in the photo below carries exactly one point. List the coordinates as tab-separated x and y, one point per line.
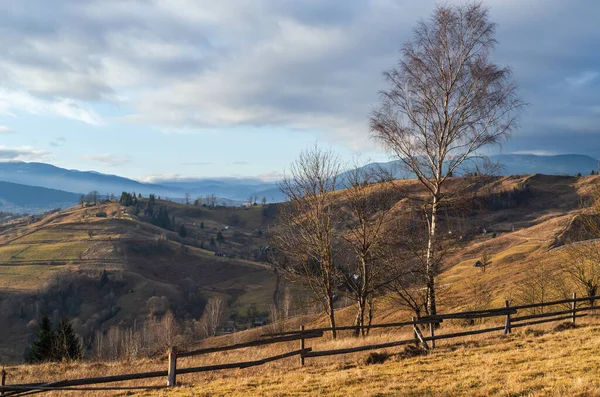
220	237
593	172
579	174
201	225
136	209
182	231
103	278
212	241
42	348
68	345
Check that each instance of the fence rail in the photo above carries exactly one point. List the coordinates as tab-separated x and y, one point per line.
307	352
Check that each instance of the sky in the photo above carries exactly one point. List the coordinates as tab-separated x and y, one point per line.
191	88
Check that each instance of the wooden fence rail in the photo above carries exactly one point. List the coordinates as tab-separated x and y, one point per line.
302	335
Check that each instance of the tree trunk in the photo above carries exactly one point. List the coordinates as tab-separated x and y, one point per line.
430	264
331	314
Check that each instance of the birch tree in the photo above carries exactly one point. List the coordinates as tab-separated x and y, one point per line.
446	101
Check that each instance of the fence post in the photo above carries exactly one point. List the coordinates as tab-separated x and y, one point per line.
172	372
574	306
432	332
507	329
3	380
302	346
414	320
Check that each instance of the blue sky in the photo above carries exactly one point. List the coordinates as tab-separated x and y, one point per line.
176	88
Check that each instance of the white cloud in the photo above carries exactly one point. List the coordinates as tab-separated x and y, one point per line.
108	159
536	152
23	153
12	101
5	130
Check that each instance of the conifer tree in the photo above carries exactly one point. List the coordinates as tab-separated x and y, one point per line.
182	231
42	348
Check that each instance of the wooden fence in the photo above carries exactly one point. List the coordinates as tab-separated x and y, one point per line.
510	314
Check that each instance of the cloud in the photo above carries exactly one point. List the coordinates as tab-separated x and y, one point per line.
23	153
108	159
5	130
536	152
12	101
307	65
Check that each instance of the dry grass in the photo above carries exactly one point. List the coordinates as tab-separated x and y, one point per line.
544	361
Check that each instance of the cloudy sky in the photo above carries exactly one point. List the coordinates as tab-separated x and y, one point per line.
238	87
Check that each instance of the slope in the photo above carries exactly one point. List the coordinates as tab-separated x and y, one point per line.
55	265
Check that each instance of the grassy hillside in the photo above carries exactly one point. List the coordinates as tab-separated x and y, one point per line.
54	265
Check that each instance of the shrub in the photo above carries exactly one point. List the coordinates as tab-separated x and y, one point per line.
376	358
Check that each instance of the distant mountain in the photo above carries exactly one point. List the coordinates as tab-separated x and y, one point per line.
232	188
564	164
232	191
32	199
49	176
511	164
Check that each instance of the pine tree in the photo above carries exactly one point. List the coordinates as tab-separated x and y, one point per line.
212	241
42	348
182	231
201	225
68	345
220	237
103	278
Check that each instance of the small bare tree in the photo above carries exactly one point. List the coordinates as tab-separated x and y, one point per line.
365	209
304	239
446	101
582	264
486	260
212	316
541	283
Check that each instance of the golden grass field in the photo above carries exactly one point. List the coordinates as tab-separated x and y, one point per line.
544	360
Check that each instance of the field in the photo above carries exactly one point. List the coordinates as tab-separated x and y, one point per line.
540	361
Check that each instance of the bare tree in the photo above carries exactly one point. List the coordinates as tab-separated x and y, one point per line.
212	316
365	212
582	265
486	260
187	198
446	101
305	237
541	283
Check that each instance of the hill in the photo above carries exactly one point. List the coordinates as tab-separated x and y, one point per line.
55	265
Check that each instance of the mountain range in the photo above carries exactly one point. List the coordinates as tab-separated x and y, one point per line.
36	187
